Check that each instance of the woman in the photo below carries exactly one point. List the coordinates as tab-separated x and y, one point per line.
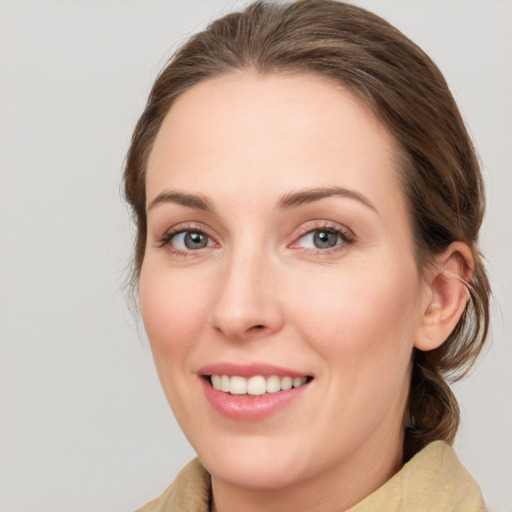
308	204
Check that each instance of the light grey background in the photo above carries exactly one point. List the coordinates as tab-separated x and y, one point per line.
84	424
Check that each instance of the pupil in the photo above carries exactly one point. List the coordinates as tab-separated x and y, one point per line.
195	240
325	239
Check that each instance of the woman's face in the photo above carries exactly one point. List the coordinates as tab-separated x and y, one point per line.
279	254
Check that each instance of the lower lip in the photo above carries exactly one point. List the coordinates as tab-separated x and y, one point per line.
245	408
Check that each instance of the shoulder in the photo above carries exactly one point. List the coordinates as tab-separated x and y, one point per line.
189	491
433	479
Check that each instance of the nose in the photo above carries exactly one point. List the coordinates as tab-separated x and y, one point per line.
247	301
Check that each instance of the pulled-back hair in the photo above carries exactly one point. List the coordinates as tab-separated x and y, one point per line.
440	173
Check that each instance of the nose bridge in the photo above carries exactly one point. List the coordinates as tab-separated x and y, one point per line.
245	303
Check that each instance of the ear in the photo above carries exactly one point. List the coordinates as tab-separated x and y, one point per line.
446	295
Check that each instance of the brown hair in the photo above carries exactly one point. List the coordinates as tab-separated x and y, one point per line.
407	92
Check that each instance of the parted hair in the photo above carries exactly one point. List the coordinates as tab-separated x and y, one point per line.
439	172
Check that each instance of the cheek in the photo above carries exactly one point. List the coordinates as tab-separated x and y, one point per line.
173	319
363	317
172	315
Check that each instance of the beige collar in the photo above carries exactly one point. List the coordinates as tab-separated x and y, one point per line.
432	481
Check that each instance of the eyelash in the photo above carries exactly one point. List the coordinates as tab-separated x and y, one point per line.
346	236
165	240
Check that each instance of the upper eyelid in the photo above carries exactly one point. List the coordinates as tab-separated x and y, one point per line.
188	226
167	235
317	225
300	231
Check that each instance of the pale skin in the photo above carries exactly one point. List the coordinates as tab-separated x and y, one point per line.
259	167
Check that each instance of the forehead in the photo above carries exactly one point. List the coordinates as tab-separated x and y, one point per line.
245	131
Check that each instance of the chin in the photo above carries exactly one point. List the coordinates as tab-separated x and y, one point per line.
254	467
256	477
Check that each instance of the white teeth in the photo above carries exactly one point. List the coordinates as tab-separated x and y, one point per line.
255	386
273	384
224	383
286	383
238	386
216	379
298	381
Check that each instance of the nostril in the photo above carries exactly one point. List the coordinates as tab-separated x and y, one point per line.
259	327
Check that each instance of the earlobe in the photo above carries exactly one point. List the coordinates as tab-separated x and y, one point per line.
448	295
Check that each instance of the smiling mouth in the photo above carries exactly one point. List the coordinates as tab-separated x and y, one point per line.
255	386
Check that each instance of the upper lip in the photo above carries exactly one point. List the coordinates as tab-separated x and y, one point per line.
249	370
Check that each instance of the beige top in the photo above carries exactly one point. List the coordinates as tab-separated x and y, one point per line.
432	481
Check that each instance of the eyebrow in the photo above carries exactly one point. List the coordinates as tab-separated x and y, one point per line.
306	196
190	200
290	200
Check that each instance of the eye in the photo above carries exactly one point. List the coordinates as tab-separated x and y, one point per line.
321	239
189	241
